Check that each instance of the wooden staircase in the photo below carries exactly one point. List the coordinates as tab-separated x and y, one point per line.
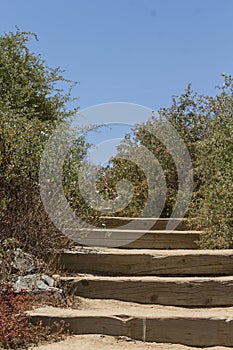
160	288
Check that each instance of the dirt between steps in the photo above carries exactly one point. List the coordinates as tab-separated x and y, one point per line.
103	342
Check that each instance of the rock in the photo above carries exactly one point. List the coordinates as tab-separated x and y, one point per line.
29	276
22	283
57	279
25	263
39	285
49	281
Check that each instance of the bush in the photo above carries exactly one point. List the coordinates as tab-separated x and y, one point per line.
31	107
16	331
213	204
190	120
205	124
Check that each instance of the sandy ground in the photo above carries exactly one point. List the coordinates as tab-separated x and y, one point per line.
99	342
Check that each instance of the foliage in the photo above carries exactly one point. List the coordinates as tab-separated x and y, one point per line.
213	205
31	106
71	182
205	125
28	86
188	117
16	330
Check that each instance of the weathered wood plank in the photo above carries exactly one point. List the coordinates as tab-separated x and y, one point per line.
193	327
139	239
148	262
142	223
177	291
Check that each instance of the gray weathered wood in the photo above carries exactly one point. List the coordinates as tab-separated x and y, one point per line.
142	223
177	291
140	262
121	238
193	327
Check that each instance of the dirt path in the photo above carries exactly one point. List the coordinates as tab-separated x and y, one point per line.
102	342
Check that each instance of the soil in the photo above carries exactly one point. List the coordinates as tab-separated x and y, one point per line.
103	342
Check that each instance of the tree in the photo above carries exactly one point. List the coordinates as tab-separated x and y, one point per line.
31	106
28	85
213	204
187	116
205	124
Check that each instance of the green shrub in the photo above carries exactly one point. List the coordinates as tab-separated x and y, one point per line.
31	106
213	204
187	116
206	126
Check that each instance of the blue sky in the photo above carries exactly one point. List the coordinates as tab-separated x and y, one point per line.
137	51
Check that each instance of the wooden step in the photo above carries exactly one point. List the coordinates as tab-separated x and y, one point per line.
159	239
176	291
143	223
139	262
165	324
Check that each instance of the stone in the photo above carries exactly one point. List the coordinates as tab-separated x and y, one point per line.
25	263
39	285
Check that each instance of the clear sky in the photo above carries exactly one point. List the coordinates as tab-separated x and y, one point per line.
139	51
